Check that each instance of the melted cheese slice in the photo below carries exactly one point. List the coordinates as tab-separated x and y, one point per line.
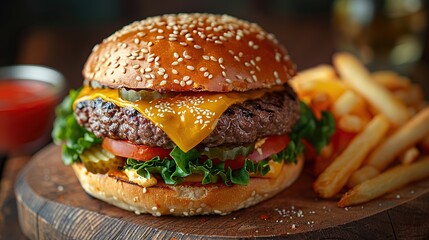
186	118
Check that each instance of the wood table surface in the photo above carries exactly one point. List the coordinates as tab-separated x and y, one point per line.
53	205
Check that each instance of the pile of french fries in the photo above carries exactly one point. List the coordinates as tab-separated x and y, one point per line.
382	129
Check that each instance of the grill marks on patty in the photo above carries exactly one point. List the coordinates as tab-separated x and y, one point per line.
273	114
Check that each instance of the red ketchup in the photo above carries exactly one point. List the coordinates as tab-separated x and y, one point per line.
26	112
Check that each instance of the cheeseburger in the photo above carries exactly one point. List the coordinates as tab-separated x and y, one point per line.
187	114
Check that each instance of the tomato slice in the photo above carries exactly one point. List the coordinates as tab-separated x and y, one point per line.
126	149
272	145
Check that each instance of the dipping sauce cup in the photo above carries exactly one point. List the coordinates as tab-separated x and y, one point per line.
28	96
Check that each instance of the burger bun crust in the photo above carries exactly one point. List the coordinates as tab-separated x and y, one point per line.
190	52
185	199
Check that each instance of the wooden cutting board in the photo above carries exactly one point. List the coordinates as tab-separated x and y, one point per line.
52	205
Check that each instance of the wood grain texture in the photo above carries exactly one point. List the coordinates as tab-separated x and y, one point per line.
52	205
9	227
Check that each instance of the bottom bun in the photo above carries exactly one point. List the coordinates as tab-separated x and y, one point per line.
185	199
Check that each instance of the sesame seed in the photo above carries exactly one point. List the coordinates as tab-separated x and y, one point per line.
218	42
136	41
144	50
213	58
276	74
162	83
172	39
237	58
183	44
206	74
251	43
150	44
189	82
254	78
182	83
210	76
223	73
174	71
186	78
148	70
247	64
203	69
165	76
220	60
138	78
278	81
171	210
174	63
196	46
258	58
176	55
189	67
205	57
154	208
180	59
176	81
228	80
136	66
144	190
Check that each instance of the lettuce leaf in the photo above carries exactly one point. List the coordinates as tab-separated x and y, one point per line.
184	164
75	139
317	132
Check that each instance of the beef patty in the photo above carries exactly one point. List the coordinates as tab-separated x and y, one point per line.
244	123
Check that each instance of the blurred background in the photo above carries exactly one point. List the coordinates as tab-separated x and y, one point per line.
386	34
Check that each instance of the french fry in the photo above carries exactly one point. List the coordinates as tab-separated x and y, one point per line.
311	88
391	80
405	137
346	103
409	156
388	181
320	72
411	96
359	78
335	177
351	123
361	175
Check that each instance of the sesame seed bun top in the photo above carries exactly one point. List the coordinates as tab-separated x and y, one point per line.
190	52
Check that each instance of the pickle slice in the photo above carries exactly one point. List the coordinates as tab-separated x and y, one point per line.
98	160
149	95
